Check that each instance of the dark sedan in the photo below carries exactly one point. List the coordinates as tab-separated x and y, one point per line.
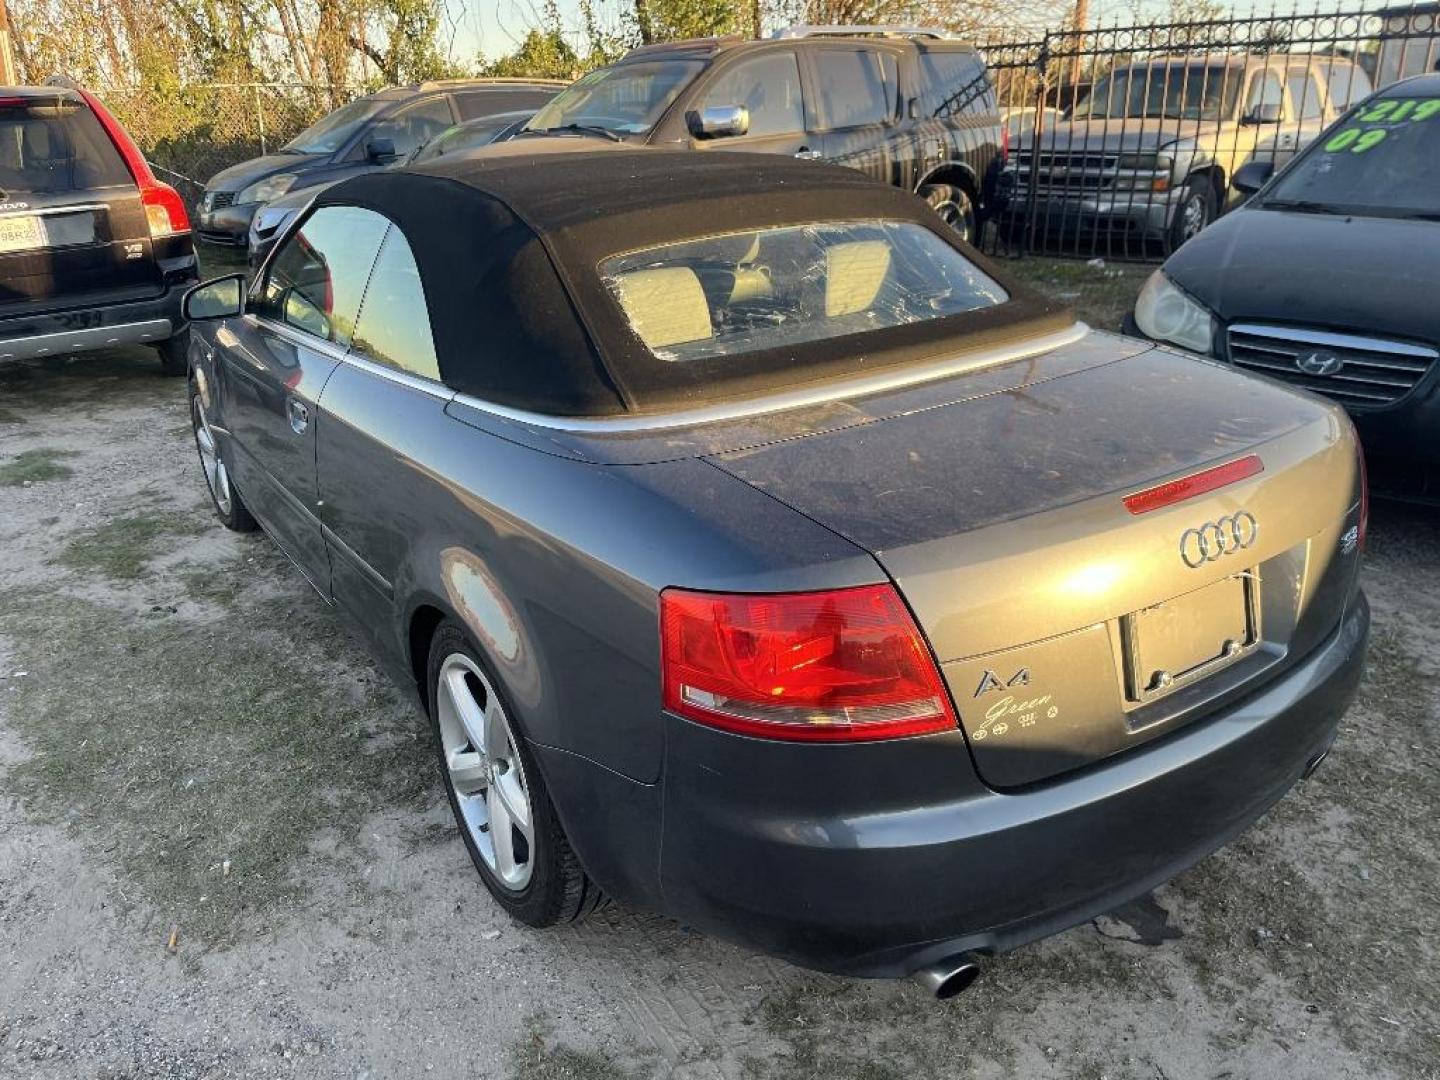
1325	280
765	557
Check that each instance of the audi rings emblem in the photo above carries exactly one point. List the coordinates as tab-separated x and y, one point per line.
1210	541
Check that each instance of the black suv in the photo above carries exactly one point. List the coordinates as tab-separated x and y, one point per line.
94	251
366	134
909	107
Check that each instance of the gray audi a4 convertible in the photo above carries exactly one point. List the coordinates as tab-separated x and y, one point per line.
765	557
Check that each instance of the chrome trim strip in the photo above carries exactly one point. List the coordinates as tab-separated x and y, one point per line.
376	579
794	399
1337	341
395	375
296	337
95	337
47	211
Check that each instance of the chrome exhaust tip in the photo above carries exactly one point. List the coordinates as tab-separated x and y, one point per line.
949	977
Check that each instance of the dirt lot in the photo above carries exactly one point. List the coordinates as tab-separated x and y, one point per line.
191	745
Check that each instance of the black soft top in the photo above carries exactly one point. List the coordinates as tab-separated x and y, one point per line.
508	241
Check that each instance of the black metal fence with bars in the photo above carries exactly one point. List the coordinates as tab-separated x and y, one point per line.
1125	140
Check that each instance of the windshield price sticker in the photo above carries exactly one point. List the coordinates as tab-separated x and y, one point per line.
1396	111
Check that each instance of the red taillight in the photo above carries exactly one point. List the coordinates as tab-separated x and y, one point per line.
1200	483
827	666
165	212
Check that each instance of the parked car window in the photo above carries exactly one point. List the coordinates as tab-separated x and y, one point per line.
1305	95
316	279
1162	91
467	136
779	287
394	323
1265	90
413	126
1348	85
855	86
628	98
55	145
476	103
955	84
1371	165
330	133
769	86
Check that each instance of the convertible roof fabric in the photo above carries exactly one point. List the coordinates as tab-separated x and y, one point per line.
508	241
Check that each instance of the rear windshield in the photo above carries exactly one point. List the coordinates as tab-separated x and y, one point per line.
1381	161
55	147
627	99
772	288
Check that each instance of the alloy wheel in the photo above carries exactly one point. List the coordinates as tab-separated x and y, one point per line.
1195	216
217	476
485	770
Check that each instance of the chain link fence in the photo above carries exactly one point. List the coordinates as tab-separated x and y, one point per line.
1125	140
190	132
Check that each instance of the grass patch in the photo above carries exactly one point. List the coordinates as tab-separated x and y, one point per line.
33	466
1102	296
123	548
536	1057
178	748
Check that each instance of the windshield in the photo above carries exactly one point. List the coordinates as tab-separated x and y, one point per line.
465	137
628	98
1163	91
1381	161
330	133
777	288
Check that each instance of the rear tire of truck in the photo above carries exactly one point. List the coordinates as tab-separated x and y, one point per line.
955	207
1195	211
175	354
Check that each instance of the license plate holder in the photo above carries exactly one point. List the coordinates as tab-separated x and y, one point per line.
22	232
1174	643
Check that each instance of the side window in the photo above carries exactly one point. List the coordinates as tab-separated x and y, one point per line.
1348	85
769	86
955	84
1265	90
415	125
316	279
852	86
1305	96
394	324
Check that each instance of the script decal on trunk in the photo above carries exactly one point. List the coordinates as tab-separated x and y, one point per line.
1008	711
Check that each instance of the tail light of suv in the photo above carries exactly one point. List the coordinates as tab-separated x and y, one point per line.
837	666
165	212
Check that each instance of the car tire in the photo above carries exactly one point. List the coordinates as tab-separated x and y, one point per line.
175	353
955	207
535	874
229	507
1194	212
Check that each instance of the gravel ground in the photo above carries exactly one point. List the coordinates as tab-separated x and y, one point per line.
224	850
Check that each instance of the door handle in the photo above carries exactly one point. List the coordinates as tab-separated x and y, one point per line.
806	154
299	416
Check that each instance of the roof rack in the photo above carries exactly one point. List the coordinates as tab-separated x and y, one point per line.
807	30
497	80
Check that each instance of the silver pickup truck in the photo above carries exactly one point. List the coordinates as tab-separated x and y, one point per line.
1150	150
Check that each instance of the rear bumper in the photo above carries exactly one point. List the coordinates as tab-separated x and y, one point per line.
780	847
101	326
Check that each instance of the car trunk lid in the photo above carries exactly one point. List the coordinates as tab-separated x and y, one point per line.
73	231
1053	609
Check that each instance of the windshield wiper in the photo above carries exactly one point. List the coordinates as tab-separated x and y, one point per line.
576	129
1301	206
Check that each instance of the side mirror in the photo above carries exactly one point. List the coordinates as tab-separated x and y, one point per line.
380	151
1263	114
718	121
221	298
1252	176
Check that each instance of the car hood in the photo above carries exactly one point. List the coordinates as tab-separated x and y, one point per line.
246	173
1131	133
1369	275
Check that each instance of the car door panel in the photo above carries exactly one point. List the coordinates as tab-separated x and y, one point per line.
771	87
857	98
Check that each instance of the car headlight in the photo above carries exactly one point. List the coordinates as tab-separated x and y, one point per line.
272	219
272	187
1165	312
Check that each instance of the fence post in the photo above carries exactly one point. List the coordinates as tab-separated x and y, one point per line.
1037	133
259	116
